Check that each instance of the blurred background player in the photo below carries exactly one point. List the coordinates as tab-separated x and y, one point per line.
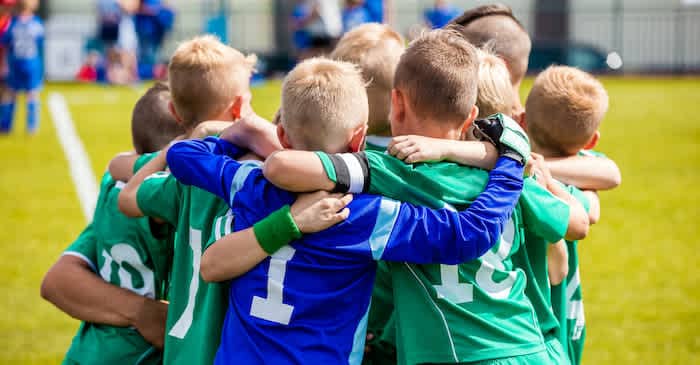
152	21
439	14
24	41
354	14
6	9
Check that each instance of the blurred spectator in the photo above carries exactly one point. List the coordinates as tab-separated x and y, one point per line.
153	20
89	70
316	25
355	13
375	10
109	16
440	14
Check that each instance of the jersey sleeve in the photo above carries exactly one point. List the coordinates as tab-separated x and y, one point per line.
142	160
404	232
578	194
159	195
421	235
207	164
544	215
85	247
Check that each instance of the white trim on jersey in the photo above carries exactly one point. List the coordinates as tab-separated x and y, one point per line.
82	257
357	177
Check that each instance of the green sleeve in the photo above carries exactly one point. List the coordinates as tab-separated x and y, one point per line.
591	153
143	160
544	215
85	247
578	194
328	166
159	196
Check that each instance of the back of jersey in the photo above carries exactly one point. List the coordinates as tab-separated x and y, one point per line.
24	38
128	256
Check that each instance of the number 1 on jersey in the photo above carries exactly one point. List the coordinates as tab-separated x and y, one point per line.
183	323
272	308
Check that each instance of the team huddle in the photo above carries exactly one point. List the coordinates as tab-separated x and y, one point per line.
403	207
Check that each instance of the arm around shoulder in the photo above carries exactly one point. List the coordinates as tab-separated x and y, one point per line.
586	172
297	171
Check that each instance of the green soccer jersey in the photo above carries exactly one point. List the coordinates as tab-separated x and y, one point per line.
377	143
456	313
567	299
125	253
197	308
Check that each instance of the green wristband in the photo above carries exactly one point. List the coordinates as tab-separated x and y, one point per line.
276	230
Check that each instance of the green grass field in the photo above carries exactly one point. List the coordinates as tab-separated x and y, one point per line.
639	265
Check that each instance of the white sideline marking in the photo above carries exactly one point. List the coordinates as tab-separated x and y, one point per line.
78	161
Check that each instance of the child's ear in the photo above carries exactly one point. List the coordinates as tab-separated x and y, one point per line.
171	107
470	120
398	109
593	141
282	135
521	119
357	142
237	107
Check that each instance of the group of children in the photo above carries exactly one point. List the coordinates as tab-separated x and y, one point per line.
458	245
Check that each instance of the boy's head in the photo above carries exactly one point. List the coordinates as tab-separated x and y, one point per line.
376	49
28	5
209	81
564	110
152	124
324	107
495	93
495	24
435	86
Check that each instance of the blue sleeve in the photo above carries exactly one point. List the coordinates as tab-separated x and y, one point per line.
7	36
404	232
207	164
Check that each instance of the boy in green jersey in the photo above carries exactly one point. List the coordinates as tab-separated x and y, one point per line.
564	110
475	311
209	81
376	49
112	277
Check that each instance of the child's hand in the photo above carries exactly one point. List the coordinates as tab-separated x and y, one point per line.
537	169
317	211
210	128
413	149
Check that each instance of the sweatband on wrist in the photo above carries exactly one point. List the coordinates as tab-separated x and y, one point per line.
276	230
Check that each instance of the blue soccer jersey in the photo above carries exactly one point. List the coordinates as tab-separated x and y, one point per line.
308	303
24	40
438	17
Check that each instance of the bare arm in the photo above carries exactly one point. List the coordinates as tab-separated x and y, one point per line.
594	206
128	203
297	171
413	149
586	172
122	166
255	134
235	254
74	288
557	262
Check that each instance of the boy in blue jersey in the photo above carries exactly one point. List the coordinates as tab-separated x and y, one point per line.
24	39
354	14
285	310
440	14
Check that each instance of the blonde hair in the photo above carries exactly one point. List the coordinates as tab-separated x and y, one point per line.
322	100
495	93
376	49
438	72
205	78
564	109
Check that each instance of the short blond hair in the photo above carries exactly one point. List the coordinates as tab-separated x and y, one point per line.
322	100
564	109
376	49
438	72
205	77
495	93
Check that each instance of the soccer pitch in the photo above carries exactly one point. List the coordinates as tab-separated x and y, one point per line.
639	264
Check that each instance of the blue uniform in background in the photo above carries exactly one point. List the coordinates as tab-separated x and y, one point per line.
24	40
308	303
438	17
352	17
375	9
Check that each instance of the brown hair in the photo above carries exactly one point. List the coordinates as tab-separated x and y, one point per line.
496	24
152	124
438	72
376	49
495	93
205	78
564	109
322	100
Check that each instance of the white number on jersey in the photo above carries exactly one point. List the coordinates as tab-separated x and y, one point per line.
272	308
125	254
454	291
183	324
